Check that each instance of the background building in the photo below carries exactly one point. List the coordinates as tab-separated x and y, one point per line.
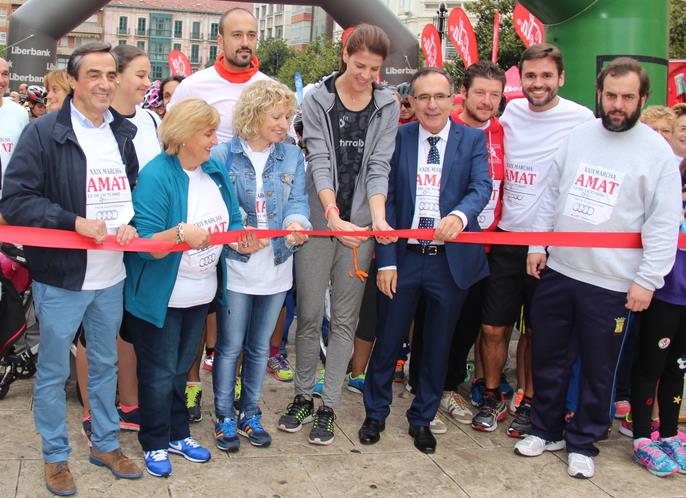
160	26
297	25
5	12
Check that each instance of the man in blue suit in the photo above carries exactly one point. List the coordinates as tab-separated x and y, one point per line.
439	179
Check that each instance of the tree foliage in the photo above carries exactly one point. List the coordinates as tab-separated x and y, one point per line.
677	29
510	46
273	54
319	58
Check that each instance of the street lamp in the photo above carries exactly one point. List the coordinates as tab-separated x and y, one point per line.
440	20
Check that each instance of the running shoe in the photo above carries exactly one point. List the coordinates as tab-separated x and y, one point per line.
437	426
322	427
477	391
622	408
505	387
456	406
533	446
399	374
226	435
675	450
193	402
129	421
651	456
190	449
580	466
280	368
521	425
492	411
208	362
237	389
355	384
626	428
251	428
319	386
299	412
87	430
157	463
515	401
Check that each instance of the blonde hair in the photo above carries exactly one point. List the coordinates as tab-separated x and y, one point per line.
186	118
57	77
256	99
656	112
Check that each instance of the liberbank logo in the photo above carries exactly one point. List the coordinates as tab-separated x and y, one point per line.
31	51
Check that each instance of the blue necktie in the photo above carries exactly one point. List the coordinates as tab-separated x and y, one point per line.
434	156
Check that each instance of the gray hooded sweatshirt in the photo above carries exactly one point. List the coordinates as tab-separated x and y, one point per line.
318	137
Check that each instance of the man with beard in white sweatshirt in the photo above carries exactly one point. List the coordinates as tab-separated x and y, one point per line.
612	174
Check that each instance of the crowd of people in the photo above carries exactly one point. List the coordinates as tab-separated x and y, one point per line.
104	151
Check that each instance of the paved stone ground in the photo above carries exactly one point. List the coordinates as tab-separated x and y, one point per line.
467	463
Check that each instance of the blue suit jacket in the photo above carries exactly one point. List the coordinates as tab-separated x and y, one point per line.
465	186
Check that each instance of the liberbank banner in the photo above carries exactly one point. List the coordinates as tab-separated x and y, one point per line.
30	64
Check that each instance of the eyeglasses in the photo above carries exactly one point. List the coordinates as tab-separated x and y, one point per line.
439	98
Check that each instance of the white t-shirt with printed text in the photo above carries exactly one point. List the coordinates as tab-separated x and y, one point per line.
531	141
196	280
13	119
259	275
146	141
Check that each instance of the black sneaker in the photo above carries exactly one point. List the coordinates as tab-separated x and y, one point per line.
521	425
298	413
87	431
491	412
322	429
193	399
129	421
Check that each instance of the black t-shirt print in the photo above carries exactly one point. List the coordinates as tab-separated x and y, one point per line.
352	132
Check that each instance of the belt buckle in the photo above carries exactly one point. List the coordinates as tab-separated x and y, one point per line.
431	250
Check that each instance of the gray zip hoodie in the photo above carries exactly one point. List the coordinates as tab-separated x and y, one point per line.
318	137
603	181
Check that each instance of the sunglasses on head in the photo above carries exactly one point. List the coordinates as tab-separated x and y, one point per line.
406	104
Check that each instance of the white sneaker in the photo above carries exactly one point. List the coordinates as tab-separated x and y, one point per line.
437	426
532	446
456	406
580	466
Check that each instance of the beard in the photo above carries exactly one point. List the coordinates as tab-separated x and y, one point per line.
629	121
541	102
237	59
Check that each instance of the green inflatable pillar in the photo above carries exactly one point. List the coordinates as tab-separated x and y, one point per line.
590	33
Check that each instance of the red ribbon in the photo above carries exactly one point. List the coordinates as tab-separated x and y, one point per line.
63	239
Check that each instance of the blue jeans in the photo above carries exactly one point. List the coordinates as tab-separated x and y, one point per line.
246	325
59	312
164	357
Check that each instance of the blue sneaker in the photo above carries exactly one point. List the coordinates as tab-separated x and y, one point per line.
319	386
253	430
157	463
190	449
355	384
651	456
225	435
675	450
505	387
477	389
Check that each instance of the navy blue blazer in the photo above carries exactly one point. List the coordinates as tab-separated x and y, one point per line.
465	186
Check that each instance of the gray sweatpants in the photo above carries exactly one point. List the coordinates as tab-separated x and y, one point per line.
320	260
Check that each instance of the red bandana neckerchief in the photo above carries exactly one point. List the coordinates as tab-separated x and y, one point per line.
236	76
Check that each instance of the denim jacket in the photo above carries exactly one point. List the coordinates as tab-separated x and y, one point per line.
284	187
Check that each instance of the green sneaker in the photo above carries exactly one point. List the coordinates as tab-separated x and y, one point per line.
319	386
298	413
279	368
193	399
322	428
355	384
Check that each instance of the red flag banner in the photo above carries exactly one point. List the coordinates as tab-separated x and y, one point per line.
179	65
346	34
462	35
496	37
431	47
529	29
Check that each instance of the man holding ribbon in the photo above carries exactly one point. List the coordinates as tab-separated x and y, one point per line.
439	179
611	174
74	170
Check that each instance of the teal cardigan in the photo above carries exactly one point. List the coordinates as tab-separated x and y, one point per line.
160	202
